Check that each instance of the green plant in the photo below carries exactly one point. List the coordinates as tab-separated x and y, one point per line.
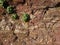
10	9
1	2
14	16
25	17
5	4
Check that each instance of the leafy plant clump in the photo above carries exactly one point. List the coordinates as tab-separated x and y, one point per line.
5	4
10	9
26	17
1	2
15	16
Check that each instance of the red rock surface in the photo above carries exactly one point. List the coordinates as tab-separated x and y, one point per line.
42	29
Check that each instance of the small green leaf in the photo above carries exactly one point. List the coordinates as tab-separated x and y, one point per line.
5	4
10	9
25	17
14	16
1	2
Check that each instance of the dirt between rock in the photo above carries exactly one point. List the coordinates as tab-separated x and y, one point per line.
42	29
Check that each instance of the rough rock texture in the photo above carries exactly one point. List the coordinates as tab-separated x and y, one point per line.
42	29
